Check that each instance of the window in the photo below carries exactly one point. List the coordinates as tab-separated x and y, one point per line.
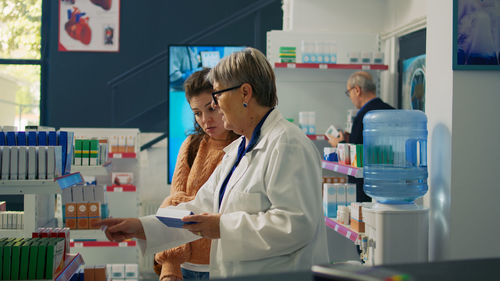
20	62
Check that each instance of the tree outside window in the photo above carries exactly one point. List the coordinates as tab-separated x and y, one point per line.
20	60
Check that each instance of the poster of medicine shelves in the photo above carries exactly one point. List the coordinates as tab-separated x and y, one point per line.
89	25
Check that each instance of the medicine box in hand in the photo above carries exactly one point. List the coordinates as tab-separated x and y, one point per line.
172	217
331	132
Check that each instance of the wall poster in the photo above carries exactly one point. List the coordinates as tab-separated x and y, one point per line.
413	90
476	34
89	25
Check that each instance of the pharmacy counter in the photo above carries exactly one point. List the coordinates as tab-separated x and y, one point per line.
479	269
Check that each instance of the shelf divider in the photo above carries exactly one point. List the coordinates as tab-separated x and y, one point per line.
343	230
331	66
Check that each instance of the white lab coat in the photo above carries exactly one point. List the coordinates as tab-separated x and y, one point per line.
271	218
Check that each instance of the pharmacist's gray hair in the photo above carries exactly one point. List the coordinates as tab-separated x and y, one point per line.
248	66
363	80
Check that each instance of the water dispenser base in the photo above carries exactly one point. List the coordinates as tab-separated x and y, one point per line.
396	233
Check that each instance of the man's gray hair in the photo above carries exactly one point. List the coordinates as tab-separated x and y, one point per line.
363	80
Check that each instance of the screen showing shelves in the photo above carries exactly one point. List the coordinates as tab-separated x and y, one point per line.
183	61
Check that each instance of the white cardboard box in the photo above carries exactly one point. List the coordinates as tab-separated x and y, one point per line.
5	162
329	200
14	162
341	190
32	163
23	163
51	162
42	162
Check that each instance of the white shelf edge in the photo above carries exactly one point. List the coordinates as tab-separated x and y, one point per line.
91	170
29	187
8	233
342	169
87	234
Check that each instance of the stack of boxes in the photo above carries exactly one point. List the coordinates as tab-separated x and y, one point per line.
334	180
35	154
335	195
288	54
93	151
33	258
123	272
357	223
120	144
12	219
90	152
113	272
94	273
83	205
350	154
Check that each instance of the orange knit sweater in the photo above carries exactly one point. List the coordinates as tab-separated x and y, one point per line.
185	184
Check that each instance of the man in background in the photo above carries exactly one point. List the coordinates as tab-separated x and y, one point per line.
362	91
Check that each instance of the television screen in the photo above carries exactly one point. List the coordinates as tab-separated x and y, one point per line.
183	61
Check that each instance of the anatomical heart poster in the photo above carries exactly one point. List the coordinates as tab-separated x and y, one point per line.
89	25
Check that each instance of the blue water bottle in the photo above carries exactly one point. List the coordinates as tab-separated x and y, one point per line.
395	155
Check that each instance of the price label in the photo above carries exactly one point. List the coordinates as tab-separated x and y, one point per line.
323	66
348	234
118	189
290	65
349	172
117	155
365	67
78	244
122	244
336	228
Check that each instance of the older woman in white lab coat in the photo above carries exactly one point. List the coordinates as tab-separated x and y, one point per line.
262	204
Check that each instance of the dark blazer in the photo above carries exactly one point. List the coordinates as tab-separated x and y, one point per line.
357	126
357	138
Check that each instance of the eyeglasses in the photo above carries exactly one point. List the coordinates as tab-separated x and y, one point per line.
215	95
348	92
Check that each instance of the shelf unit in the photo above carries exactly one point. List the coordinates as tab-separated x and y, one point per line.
93	170
87	234
120	155
122	200
29	187
344	230
39	202
330	66
320	87
88	244
343	169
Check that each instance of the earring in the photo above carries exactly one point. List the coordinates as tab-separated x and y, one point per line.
245	104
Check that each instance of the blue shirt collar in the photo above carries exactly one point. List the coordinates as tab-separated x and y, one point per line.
361	109
255	136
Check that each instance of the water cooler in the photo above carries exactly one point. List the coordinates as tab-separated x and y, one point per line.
395	174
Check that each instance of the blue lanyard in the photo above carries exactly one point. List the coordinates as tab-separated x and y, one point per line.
241	152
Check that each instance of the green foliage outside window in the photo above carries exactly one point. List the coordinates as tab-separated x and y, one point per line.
20	38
